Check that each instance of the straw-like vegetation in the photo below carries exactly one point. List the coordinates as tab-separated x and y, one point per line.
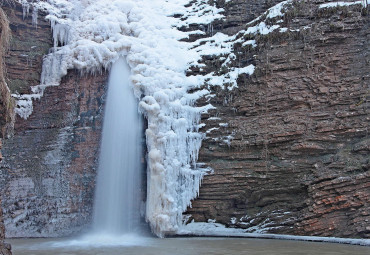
7	103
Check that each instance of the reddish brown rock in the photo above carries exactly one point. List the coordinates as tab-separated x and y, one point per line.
50	163
28	44
6	102
294	157
49	167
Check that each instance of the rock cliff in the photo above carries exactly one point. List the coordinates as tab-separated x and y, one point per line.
289	146
49	167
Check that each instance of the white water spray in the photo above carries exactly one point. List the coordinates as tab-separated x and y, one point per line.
118	194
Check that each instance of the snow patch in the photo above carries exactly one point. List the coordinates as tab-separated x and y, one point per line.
340	4
217	229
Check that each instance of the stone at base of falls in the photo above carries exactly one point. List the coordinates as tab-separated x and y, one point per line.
5	248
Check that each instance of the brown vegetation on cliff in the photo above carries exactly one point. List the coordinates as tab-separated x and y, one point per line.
6	101
6	111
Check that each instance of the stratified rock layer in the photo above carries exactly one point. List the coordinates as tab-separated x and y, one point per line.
50	163
292	154
28	44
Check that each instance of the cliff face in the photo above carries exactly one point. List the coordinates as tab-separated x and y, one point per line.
290	145
49	167
50	163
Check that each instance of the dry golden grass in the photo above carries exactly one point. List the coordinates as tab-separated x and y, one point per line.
6	99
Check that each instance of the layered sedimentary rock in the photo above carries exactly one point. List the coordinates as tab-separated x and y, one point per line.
290	146
49	167
49	180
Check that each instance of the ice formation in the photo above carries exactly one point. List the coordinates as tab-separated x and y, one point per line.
341	4
92	34
211	228
89	35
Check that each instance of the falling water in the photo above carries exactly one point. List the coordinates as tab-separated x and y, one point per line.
117	195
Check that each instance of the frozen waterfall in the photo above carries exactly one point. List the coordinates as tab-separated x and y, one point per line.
118	190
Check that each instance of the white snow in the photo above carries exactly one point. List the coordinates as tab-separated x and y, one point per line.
200	13
210	130
214	118
250	42
283	29
92	34
89	35
216	229
340	4
275	11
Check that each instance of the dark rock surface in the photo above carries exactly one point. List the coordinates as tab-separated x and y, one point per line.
297	157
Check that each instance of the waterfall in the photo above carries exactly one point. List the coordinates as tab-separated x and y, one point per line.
118	190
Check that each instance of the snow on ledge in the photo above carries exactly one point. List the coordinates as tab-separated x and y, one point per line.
216	229
340	4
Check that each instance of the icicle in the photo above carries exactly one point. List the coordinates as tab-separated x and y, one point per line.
91	36
34	15
60	33
26	8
